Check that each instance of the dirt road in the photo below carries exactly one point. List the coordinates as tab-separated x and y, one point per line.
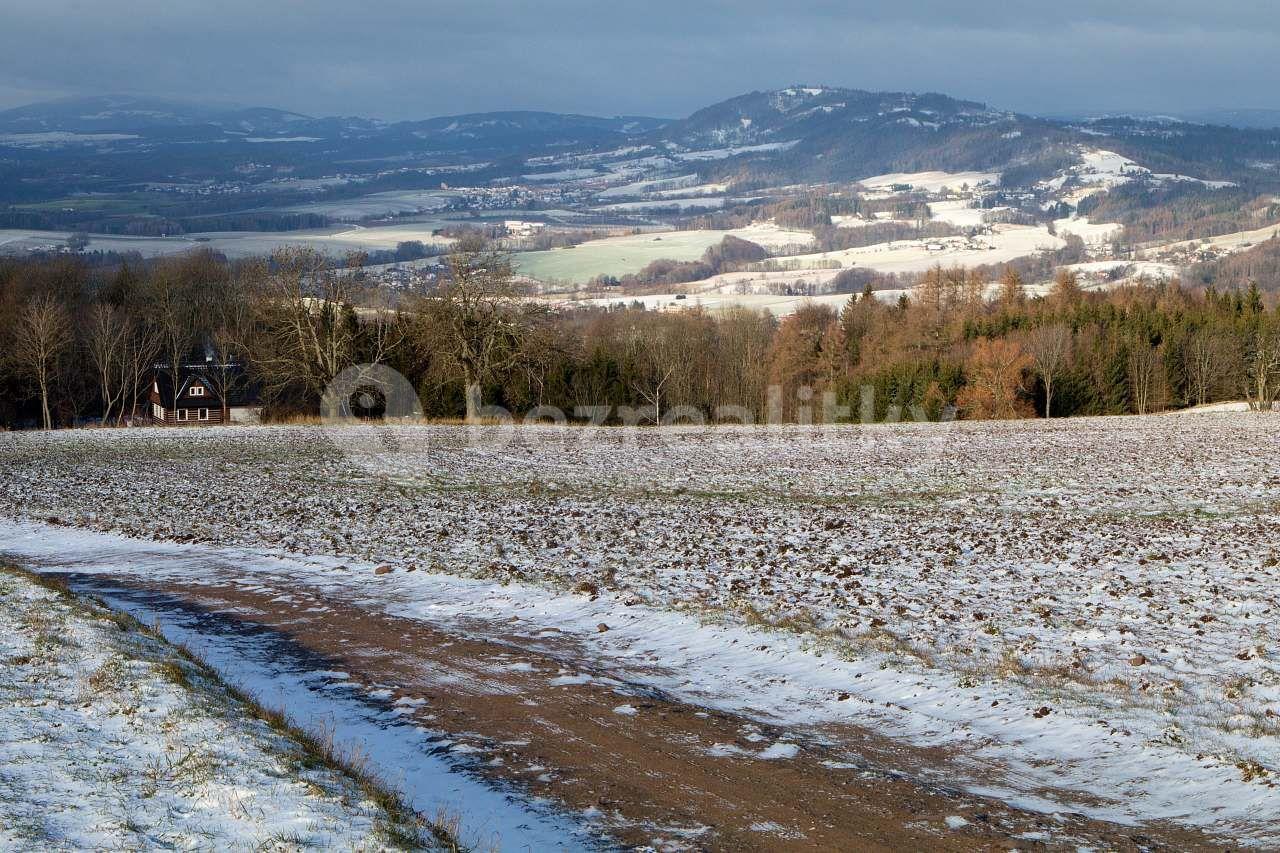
528	710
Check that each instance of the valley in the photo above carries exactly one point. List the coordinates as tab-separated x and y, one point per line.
819	178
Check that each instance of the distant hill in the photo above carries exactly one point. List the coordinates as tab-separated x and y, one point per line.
123	114
165	164
824	133
1256	119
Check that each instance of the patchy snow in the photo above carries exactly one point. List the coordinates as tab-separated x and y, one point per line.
104	745
1109	274
270	139
1107	169
562	175
1227	243
1001	244
1091	233
1083	610
779	750
958	212
642	188
932	182
725	153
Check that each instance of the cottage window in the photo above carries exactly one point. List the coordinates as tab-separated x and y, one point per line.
204	414
196	391
182	414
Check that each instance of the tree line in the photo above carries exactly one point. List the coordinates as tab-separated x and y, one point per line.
79	344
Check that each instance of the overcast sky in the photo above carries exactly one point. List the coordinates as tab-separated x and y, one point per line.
418	58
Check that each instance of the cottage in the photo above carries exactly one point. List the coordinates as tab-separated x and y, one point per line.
207	393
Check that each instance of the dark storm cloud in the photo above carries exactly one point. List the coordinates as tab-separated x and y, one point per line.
399	59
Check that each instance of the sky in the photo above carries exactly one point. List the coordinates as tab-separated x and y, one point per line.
399	59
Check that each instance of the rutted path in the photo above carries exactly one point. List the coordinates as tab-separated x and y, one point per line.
526	715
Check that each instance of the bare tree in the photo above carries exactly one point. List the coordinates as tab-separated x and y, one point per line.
653	351
1050	351
41	337
310	326
141	348
481	317
1204	358
1146	366
109	329
231	340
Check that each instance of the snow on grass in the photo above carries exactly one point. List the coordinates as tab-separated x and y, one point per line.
1102	275
725	153
1092	233
1083	610
234	244
1107	169
1002	244
1228	243
958	212
779	305
932	182
638	189
110	739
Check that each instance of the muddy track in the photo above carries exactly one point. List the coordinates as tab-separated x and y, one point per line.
526	706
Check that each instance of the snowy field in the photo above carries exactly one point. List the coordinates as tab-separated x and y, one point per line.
1004	243
109	739
931	182
1082	611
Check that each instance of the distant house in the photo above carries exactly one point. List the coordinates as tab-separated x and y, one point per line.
522	228
208	393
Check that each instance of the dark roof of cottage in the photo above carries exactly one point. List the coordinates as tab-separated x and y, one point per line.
243	391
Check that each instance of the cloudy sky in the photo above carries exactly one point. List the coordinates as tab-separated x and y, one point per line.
417	58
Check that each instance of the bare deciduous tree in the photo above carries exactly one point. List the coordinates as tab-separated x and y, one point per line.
481	318
41	337
1263	368
1204	358
310	329
108	330
1050	351
1146	367
654	352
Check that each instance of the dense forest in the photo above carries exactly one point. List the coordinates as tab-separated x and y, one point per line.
79	343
